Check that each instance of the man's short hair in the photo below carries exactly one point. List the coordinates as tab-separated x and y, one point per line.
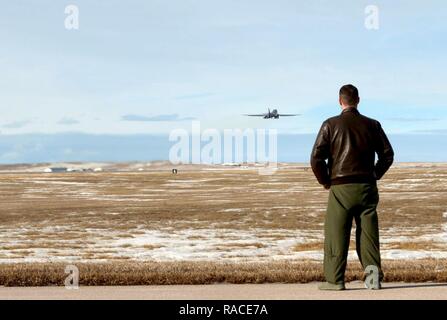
349	95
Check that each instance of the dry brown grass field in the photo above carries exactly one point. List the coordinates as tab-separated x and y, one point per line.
199	272
221	224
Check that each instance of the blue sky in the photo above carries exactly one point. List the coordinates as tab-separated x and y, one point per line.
147	67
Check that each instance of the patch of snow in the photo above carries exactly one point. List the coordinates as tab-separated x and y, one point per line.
412	254
231	210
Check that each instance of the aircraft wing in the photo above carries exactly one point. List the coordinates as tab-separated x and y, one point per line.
254	115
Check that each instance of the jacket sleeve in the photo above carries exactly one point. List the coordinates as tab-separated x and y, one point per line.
384	152
320	153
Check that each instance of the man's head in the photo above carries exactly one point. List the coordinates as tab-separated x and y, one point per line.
349	96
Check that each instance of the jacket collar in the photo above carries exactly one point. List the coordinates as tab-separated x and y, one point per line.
351	109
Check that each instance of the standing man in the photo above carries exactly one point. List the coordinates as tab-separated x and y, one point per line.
349	143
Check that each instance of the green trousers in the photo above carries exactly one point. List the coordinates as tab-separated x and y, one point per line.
347	202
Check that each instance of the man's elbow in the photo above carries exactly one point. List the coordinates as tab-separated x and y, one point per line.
390	161
390	157
314	161
313	164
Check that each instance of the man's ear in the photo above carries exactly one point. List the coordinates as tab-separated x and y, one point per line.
358	101
340	102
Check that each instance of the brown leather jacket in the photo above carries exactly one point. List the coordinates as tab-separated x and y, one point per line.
349	142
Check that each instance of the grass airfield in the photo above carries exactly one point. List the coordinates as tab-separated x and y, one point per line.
143	225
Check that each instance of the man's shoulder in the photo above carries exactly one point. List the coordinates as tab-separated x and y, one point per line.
372	120
337	118
331	119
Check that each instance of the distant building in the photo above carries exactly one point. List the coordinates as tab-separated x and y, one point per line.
97	170
231	164
56	169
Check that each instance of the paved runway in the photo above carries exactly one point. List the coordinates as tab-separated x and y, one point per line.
355	290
